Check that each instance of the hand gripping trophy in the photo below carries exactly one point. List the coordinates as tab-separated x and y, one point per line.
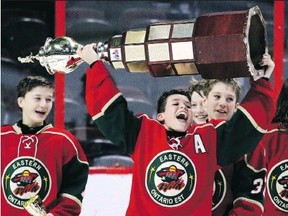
216	45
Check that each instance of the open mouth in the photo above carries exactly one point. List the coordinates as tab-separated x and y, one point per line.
221	111
40	112
182	116
202	116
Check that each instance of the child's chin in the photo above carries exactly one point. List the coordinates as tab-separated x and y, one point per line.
182	129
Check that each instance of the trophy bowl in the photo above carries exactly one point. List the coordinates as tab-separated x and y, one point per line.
57	55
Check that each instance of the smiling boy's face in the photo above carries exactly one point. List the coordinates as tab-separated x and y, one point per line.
221	102
199	112
36	105
177	115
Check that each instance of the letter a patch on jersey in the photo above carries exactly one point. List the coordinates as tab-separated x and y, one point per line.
199	146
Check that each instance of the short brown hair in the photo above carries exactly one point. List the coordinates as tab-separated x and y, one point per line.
162	101
30	82
197	86
231	82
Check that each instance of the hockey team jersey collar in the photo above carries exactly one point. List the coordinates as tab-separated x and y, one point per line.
30	130
174	134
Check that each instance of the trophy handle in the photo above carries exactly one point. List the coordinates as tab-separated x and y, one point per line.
59	55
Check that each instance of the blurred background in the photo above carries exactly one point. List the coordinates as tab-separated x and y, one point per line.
25	25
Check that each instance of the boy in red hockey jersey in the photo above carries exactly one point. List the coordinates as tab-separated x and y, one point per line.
223	96
272	162
275	143
175	161
248	181
38	159
221	100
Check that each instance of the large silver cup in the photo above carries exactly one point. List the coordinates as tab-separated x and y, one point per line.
57	55
35	206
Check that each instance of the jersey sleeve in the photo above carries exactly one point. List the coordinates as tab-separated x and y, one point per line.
108	108
248	125
243	207
258	104
74	170
248	183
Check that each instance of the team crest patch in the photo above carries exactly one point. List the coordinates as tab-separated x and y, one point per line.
24	178
171	178
277	185
219	189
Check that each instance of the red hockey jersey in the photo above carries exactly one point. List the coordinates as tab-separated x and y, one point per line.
50	163
265	175
276	196
248	184
222	191
175	179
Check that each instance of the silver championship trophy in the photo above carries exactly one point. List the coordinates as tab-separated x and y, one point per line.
216	45
35	207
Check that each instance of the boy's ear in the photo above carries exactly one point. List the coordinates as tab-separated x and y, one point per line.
236	105
204	101
160	117
19	101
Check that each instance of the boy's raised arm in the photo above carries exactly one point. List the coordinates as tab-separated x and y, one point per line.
106	104
250	122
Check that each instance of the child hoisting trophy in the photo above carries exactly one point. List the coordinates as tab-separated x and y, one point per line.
233	48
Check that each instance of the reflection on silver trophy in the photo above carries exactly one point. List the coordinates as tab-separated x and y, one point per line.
57	55
218	45
35	206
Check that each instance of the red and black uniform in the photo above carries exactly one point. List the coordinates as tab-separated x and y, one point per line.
263	175
276	194
248	184
174	175
222	191
43	161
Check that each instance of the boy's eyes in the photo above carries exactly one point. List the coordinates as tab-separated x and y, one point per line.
47	100
186	105
227	99
230	99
